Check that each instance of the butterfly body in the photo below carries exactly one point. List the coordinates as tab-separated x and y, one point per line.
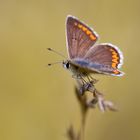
76	69
85	56
83	68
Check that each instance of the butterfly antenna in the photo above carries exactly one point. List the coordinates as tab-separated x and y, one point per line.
50	64
50	49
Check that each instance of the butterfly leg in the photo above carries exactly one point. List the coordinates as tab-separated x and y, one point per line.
92	80
87	85
79	77
83	84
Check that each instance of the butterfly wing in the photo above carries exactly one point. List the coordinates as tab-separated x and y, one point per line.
103	58
80	38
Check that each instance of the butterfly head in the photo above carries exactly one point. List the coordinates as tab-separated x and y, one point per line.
66	64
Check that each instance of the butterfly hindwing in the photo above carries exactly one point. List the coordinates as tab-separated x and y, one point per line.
80	38
102	58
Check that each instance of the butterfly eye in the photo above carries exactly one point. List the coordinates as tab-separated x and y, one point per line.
67	65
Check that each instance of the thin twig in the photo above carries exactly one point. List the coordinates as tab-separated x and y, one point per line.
85	105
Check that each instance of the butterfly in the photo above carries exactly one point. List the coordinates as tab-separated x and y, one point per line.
85	56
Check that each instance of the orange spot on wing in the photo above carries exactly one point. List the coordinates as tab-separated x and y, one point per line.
115	57
84	29
80	26
92	37
115	61
88	32
116	72
114	53
114	65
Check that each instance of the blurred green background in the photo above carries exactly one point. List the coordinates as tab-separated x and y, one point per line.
37	102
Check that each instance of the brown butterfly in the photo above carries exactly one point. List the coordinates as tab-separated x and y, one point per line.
85	56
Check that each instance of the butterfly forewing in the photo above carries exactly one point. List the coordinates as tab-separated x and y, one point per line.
80	38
